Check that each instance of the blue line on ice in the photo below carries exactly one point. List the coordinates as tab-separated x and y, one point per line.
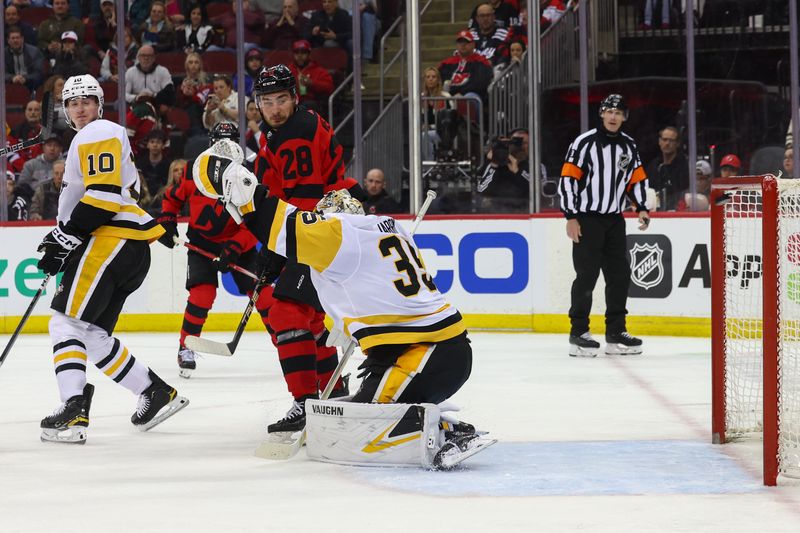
578	469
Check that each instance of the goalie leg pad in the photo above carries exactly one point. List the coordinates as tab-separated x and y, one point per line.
369	434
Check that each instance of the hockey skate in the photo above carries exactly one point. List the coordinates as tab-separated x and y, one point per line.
186	362
287	435
583	345
69	422
623	344
158	402
457	448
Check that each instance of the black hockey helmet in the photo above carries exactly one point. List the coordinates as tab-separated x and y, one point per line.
273	80
614	101
223	130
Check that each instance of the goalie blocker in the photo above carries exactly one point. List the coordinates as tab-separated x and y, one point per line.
395	434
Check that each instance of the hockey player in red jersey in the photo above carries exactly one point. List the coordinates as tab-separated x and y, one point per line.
210	228
299	161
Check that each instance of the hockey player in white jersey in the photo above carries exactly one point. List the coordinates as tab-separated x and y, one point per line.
101	243
372	282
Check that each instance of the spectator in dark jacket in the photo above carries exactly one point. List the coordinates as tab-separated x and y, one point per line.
467	73
24	62
51	30
378	201
314	83
105	26
156	30
12	19
45	200
331	26
491	40
669	173
505	14
70	60
152	164
290	27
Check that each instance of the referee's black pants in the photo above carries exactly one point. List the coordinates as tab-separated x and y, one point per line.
601	247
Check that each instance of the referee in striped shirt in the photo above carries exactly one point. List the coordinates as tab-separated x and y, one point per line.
601	168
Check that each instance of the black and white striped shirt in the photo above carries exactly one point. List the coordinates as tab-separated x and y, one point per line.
599	170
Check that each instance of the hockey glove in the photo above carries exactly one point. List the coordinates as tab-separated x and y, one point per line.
269	264
230	253
238	186
168	221
57	246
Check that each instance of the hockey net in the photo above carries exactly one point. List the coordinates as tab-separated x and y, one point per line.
755	245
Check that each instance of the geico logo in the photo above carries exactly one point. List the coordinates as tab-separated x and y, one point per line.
748	267
469	261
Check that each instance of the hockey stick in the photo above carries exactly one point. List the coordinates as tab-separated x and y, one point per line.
201	344
204	253
24	319
47	128
287	450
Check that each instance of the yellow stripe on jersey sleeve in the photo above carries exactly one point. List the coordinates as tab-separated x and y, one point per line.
113	206
318	241
278	221
101	162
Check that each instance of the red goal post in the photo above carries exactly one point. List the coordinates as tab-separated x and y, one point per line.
755	317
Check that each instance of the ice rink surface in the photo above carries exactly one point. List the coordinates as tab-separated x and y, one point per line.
608	444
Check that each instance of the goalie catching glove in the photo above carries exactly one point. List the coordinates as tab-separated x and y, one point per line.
57	246
225	179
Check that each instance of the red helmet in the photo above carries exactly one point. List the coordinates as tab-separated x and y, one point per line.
730	160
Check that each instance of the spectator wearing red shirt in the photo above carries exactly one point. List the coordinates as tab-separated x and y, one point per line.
314	83
27	130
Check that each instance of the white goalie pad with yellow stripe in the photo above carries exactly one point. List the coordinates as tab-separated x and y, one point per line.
370	434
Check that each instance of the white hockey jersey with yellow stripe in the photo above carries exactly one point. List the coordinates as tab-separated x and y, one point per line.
368	273
101	185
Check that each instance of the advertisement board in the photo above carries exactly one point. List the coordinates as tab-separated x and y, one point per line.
512	273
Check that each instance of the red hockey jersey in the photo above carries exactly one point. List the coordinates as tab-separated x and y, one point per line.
210	225
301	161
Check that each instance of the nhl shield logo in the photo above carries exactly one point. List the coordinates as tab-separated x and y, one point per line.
647	266
624	161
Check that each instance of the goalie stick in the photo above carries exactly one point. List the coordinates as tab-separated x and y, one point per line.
47	129
286	448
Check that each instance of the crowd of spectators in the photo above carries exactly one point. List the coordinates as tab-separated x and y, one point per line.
80	37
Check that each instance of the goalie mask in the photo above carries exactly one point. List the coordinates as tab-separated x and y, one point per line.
80	87
339	202
223	130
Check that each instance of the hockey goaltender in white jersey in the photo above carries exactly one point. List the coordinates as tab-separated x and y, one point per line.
372	282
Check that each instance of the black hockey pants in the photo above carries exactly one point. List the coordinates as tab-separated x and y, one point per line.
601	247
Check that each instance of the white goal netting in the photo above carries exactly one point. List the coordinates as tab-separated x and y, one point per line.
744	311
